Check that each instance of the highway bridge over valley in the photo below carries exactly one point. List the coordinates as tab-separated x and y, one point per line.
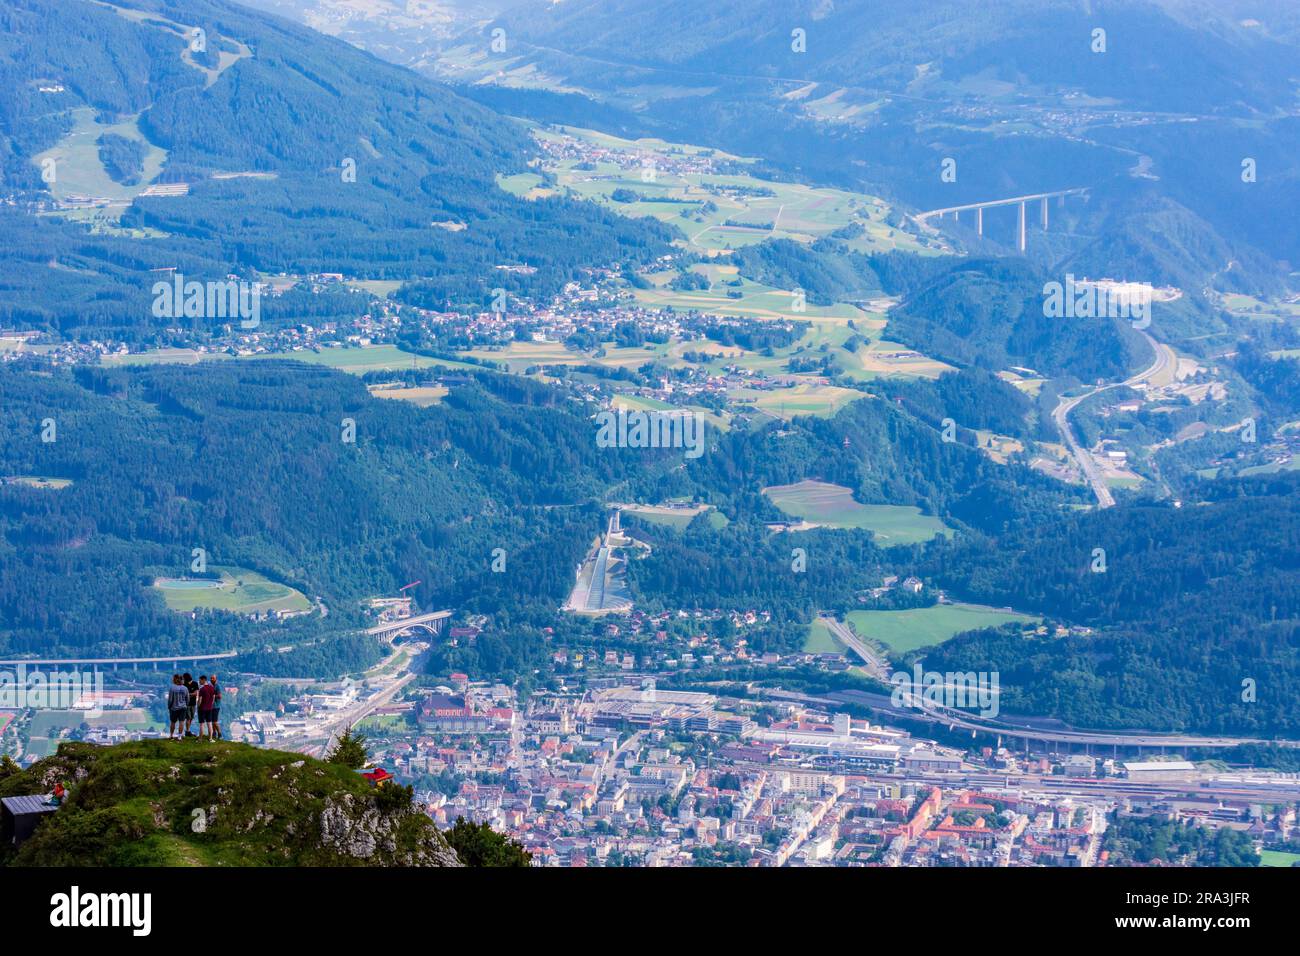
1021	201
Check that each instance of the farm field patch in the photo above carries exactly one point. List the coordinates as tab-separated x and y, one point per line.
820	504
238	590
907	630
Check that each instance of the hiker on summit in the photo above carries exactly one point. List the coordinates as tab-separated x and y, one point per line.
207	693
178	698
192	686
214	725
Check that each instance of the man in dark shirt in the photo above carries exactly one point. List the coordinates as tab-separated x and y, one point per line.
215	726
193	687
206	695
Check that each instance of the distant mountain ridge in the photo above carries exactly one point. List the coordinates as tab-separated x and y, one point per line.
1158	56
876	95
300	153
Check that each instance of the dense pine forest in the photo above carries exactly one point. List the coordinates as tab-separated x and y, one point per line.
1193	611
249	463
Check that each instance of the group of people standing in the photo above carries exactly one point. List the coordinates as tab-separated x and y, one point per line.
187	697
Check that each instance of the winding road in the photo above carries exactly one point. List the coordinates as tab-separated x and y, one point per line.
1164	358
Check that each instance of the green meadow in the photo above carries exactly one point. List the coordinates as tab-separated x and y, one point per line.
239	590
903	631
832	506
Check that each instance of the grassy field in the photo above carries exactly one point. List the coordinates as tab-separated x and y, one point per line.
378	287
832	506
1250	307
423	396
240	590
38	481
820	640
1273	467
825	338
519	356
372	358
1278	858
647	404
673	517
163	357
382	724
822	401
77	169
903	631
751	300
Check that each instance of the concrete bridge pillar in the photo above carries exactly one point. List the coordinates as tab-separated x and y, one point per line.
1044	214
979	221
1020	239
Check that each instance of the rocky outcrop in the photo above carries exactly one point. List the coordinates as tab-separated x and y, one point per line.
158	802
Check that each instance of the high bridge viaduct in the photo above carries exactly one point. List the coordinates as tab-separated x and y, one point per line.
1021	201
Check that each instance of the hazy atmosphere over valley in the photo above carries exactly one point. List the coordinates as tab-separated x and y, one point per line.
636	434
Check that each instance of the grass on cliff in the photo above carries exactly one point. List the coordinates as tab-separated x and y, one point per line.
191	803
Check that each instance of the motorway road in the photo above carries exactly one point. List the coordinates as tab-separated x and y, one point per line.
992	203
1164	357
877	666
970	721
349	716
358	711
949	717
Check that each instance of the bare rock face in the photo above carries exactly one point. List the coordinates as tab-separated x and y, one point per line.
354	828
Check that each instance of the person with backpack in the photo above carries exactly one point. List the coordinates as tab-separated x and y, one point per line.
193	688
206	694
214	725
178	697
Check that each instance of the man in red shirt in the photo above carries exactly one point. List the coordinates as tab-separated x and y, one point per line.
207	693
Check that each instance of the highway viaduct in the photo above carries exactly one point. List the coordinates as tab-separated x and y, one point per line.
1021	201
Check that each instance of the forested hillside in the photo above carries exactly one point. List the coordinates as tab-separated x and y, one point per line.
990	313
1190	603
249	462
301	153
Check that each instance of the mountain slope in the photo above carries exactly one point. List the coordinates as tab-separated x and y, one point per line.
1193	602
300	153
249	462
1153	60
876	95
989	312
185	803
